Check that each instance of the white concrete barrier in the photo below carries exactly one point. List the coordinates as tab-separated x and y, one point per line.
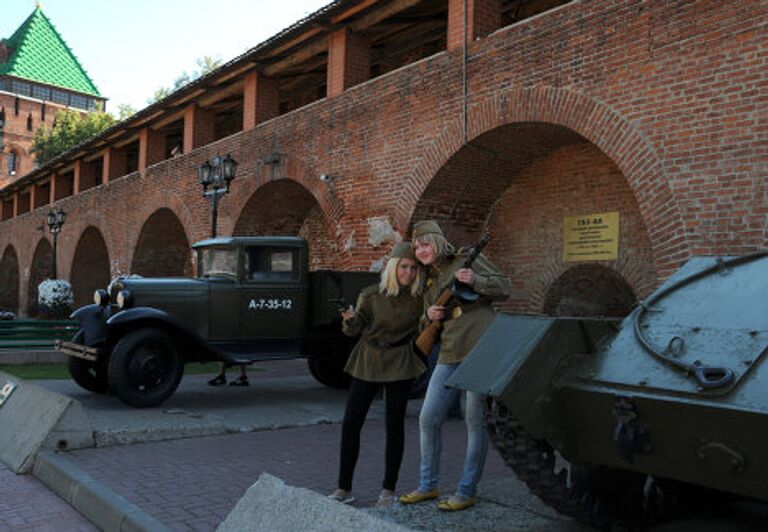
270	505
34	418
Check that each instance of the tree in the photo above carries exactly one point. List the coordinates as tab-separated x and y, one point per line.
70	128
206	64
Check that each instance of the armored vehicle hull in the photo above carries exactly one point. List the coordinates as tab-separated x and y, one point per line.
625	422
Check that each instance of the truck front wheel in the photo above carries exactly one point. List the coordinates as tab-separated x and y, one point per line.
145	367
91	376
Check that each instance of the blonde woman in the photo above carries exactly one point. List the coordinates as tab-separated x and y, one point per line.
463	325
386	318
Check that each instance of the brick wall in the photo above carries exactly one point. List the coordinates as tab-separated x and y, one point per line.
657	110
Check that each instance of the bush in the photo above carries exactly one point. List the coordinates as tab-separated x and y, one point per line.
54	299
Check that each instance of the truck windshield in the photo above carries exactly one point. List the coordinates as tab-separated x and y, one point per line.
218	263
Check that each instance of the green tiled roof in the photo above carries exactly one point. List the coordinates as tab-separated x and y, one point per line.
38	53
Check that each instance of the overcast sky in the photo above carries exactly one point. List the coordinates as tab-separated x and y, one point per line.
132	47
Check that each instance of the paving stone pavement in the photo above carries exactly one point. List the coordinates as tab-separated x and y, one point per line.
193	484
27	505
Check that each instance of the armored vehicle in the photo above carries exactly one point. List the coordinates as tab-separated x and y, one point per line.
254	299
630	421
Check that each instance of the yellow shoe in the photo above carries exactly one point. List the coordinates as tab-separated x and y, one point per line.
419	496
455	503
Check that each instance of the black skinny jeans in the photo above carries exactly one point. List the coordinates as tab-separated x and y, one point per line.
361	395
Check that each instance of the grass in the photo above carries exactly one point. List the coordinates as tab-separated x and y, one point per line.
59	371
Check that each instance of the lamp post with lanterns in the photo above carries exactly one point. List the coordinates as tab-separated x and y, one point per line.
215	178
55	220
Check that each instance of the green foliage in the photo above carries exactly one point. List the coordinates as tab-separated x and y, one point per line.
69	129
124	111
206	64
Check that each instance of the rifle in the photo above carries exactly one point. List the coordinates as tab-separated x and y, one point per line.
426	340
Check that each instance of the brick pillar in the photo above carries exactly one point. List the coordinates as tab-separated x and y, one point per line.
32	194
261	99
15	204
484	17
115	164
85	175
52	191
151	148
349	61
199	128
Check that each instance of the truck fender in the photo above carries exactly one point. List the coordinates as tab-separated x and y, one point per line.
152	315
93	322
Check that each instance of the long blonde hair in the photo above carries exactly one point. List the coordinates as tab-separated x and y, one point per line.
389	285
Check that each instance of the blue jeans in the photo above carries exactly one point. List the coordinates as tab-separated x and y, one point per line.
433	413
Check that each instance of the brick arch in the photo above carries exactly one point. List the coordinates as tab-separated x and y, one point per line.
181	213
78	222
609	131
39	271
9	280
162	249
589	290
90	266
286	207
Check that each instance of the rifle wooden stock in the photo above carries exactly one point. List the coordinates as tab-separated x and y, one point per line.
428	337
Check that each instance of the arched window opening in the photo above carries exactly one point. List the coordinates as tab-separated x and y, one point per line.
12	163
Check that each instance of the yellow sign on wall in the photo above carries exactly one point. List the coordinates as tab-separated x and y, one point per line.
591	237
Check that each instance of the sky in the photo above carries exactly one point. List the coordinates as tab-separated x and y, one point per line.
130	48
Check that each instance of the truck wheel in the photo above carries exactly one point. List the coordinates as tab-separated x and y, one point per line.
91	376
601	496
327	360
145	368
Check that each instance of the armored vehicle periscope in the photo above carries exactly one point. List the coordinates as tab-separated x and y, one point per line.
254	299
632	422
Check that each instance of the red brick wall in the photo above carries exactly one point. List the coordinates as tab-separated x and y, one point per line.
162	249
91	270
661	105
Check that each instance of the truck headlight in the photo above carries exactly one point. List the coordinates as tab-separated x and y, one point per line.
124	299
101	297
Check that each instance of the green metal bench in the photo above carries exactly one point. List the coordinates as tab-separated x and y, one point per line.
35	334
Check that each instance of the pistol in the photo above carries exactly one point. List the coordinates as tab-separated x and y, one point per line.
340	302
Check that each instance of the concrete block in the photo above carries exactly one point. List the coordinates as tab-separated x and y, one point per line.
29	416
270	505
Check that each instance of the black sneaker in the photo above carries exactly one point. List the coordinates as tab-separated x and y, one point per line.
218	380
240	381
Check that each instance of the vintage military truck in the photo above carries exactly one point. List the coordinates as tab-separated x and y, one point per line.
631	421
254	299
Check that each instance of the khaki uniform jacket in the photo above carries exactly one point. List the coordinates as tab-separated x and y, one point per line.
465	322
387	326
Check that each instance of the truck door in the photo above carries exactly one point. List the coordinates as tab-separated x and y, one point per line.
272	303
219	267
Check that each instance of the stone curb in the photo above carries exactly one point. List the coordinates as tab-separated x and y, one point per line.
17	357
104	507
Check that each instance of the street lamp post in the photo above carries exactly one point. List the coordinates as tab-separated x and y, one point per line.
215	179
55	220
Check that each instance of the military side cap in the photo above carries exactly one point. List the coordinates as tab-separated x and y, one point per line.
426	227
402	250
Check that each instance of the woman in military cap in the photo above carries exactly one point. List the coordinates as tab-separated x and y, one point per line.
462	326
386	318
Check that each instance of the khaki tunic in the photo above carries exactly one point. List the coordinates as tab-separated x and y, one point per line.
387	326
465	322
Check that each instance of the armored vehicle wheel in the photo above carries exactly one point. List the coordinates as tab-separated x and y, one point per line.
91	376
327	360
145	367
599	495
